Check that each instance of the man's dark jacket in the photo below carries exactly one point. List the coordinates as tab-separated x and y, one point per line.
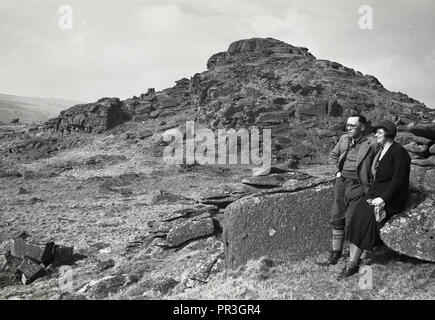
366	153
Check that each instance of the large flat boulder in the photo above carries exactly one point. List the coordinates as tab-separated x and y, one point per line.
288	225
413	233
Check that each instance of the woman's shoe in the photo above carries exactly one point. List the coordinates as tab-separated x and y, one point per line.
347	272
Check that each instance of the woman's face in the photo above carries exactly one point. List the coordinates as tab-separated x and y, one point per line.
380	136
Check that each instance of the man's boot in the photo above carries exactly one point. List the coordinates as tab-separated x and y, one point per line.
337	247
334	256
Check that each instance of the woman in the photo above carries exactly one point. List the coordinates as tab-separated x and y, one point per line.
387	196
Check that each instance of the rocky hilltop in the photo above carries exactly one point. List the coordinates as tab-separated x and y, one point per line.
266	83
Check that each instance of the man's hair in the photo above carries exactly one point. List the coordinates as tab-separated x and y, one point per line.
361	119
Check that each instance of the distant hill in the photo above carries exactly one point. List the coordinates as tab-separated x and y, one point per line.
29	109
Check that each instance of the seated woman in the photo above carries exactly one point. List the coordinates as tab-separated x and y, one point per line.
388	191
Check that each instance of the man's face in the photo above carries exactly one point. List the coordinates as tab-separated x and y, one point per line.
354	127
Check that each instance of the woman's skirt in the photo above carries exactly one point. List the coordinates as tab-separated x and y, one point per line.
363	230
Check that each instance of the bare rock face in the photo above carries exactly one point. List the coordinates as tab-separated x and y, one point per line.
413	233
97	117
283	225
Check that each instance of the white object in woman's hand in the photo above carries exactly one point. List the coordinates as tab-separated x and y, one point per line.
378	202
380	214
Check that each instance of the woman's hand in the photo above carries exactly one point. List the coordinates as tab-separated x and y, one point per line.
378	202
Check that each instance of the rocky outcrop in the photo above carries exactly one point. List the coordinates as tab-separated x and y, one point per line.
97	117
420	144
413	233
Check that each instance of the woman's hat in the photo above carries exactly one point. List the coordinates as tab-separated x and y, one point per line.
387	125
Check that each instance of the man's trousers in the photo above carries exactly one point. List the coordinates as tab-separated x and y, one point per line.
346	195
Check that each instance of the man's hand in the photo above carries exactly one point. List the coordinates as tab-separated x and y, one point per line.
378	202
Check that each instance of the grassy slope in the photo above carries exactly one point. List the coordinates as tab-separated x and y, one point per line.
31	109
394	277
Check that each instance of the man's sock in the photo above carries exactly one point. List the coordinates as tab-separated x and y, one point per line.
337	240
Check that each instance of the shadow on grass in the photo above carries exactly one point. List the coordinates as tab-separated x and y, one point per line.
383	255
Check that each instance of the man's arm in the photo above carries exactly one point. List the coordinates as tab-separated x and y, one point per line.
334	155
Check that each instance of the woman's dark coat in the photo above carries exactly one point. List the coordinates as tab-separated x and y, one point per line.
391	182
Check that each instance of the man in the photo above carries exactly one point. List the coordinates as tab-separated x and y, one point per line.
353	155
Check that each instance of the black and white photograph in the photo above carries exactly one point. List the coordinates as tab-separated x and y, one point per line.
230	152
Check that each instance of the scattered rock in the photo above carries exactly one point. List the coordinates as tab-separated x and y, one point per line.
405	138
294	185
432	149
142	134
428	162
105	265
189	230
30	271
141	118
162	196
270	181
63	254
190	212
41	253
415	148
424	129
221	202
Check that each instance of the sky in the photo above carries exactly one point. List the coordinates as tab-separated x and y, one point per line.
121	48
